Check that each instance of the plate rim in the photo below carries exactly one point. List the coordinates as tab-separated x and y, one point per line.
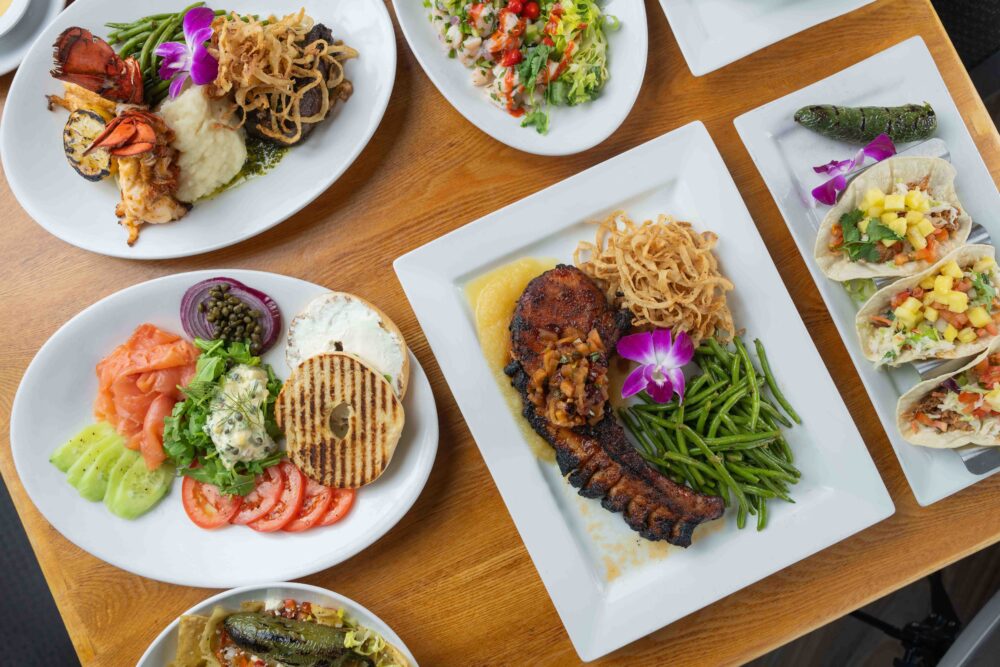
343	600
418	378
873	504
525	146
923	494
123	251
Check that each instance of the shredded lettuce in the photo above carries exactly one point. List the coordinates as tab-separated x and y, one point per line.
587	71
860	289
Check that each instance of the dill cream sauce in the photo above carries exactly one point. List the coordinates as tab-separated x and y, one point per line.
236	420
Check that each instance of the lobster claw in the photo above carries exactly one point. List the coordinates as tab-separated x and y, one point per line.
130	134
90	62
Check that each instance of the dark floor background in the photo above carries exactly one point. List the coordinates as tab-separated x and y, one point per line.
32	633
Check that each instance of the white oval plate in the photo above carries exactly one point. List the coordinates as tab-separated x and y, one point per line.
164	647
54	401
572	129
83	213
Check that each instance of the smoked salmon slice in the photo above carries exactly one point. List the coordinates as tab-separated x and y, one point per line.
138	385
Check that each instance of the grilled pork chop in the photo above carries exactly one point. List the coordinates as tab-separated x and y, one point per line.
564	304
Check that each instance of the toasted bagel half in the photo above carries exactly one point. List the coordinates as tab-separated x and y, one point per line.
341	419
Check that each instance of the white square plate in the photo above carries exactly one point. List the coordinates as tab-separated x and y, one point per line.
609	586
714	33
785	153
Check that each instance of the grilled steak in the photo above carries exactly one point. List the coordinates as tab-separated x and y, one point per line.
597	458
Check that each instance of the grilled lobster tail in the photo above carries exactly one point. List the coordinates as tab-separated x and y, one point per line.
91	63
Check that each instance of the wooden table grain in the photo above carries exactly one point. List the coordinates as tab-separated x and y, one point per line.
453	577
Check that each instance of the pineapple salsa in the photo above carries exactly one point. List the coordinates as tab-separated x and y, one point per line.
900	226
968	401
954	304
528	55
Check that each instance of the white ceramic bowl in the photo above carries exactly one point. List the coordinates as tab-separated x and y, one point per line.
164	647
14	12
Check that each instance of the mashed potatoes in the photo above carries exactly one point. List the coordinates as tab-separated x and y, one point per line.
211	152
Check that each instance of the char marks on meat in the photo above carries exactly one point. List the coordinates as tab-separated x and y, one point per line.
598	459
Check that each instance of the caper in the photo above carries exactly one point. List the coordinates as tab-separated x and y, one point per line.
224	287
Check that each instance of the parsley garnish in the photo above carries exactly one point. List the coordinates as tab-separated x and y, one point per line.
863	246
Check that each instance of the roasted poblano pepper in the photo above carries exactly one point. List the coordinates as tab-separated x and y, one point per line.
910	122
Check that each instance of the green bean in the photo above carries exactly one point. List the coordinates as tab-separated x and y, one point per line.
720	352
713	427
706	393
745	473
772	383
703	417
741	517
762	516
743	437
149	44
692	389
770	410
754	390
714	459
143	27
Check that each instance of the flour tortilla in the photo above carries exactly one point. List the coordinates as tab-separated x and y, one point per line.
965	257
884	175
926	436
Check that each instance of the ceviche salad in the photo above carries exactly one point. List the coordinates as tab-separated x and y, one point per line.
528	56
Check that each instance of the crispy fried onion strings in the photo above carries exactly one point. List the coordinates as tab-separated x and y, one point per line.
663	271
267	67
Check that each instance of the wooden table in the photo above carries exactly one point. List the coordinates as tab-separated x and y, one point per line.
453	577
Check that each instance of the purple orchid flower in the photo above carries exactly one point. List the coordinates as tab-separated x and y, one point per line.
879	149
191	58
661	362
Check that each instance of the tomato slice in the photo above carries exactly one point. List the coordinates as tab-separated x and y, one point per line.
314	507
340	505
263	498
288	505
206	506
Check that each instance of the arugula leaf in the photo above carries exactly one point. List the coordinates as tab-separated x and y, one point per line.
184	437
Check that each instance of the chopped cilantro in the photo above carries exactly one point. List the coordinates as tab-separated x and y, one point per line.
860	246
985	291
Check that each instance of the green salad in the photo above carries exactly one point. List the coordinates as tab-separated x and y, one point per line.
223	432
528	56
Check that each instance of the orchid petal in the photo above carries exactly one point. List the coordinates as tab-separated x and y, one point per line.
635	382
177	85
676	378
637	347
662	344
880	148
175	60
827	192
196	20
659	389
680	353
204	67
833	167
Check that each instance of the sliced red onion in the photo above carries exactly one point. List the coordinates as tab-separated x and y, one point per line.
951	385
196	324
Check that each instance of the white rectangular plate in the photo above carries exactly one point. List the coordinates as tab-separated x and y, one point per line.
610	586
785	153
714	33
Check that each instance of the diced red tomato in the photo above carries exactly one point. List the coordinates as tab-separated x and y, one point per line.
547	41
343	500
917	292
314	507
963	285
968	397
206	506
531	11
263	498
288	505
925	419
899	298
511	58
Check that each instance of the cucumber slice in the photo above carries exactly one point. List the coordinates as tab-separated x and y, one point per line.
87	460
94	482
69	452
139	489
121	466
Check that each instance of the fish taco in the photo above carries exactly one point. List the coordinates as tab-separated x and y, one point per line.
956	409
896	219
949	311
